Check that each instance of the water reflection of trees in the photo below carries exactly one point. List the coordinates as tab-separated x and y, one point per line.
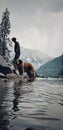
16	96
4	119
19	90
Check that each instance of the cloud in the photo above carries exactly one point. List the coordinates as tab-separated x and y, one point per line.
45	34
32	5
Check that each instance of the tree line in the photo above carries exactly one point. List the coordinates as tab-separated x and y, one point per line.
5	27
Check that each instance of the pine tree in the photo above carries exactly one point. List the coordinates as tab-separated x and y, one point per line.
0	42
4	31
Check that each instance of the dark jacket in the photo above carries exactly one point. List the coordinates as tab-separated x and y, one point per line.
17	47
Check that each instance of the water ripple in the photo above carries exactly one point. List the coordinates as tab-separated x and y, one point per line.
38	104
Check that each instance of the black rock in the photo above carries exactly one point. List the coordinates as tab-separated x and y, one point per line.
5	70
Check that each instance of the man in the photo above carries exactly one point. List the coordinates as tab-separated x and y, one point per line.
16	49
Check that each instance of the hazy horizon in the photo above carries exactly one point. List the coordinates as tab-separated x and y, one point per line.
37	24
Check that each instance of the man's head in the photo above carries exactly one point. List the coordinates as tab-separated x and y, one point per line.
13	39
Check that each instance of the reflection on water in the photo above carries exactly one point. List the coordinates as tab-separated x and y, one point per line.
35	105
4	120
16	97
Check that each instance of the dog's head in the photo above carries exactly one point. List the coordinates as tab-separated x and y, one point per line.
19	61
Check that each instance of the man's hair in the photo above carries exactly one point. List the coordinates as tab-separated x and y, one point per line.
13	39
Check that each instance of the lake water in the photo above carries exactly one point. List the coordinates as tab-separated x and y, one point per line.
37	105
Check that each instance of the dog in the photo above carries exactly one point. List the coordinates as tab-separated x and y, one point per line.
26	67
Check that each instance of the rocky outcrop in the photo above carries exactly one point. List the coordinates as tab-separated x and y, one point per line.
3	62
4	67
5	70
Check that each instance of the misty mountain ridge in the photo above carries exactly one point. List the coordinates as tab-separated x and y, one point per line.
53	68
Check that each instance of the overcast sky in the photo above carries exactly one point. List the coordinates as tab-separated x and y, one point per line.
37	24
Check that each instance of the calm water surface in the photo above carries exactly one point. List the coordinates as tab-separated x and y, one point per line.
37	105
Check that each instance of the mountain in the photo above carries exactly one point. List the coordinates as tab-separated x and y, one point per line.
35	57
53	68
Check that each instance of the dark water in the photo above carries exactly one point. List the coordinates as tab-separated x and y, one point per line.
37	105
